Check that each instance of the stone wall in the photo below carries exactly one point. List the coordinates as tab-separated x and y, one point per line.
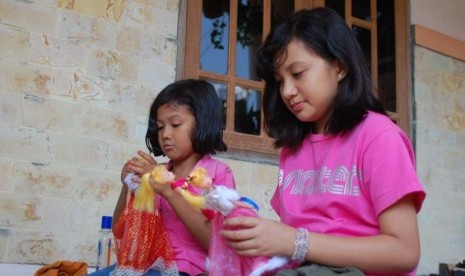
77	78
76	82
439	85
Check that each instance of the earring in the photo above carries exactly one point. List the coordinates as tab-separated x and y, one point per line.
339	77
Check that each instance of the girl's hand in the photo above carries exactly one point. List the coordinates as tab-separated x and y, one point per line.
160	179
257	237
143	163
125	171
138	165
164	189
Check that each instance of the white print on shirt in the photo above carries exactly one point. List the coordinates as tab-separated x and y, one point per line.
340	181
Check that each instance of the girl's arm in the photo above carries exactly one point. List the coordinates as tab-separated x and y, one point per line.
395	249
192	219
196	222
121	203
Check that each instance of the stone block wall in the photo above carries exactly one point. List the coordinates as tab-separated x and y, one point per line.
77	78
439	85
76	82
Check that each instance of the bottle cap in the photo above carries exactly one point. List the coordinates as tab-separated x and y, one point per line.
250	202
106	222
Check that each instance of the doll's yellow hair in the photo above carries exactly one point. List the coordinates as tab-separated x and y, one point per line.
144	199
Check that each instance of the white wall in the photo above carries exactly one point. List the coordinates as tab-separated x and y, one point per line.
444	16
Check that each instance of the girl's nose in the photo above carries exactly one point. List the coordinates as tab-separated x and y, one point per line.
288	89
165	133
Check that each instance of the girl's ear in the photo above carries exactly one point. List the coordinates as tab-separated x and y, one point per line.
341	70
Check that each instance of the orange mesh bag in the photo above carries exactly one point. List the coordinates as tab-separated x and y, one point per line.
140	236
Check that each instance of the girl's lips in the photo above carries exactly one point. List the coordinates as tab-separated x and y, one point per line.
297	107
167	147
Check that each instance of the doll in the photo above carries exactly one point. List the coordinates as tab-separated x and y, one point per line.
222	260
199	178
223	203
141	239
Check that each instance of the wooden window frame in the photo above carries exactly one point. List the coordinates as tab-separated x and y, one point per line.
404	104
189	65
403	115
259	143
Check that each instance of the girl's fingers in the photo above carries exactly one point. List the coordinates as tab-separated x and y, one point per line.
242	246
243	229
139	170
242	222
235	235
147	157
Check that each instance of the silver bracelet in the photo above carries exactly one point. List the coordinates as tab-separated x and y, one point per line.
300	245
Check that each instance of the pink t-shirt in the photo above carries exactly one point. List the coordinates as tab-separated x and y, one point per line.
189	255
340	184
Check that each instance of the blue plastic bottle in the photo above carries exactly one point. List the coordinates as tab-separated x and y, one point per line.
105	244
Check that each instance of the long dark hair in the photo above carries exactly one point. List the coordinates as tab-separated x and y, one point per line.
326	34
201	99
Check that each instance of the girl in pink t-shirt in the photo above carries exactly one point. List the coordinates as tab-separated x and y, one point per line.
348	194
185	125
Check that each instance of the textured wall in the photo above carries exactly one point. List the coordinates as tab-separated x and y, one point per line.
445	16
76	82
439	85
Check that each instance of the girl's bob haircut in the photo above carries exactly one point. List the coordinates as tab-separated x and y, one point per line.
201	99
326	34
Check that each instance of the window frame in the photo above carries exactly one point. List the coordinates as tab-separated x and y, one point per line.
188	66
260	143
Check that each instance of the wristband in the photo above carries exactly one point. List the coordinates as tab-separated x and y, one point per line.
300	245
128	181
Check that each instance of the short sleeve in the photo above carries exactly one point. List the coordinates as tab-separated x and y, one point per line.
220	172
389	170
224	176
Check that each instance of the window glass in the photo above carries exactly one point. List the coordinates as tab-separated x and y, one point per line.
221	90
247	111
280	10
214	36
337	5
249	35
361	9
386	53
364	39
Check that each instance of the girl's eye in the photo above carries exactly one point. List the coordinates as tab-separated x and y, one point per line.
297	74
175	125
159	128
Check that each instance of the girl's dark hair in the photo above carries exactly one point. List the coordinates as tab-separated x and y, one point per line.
201	99
326	34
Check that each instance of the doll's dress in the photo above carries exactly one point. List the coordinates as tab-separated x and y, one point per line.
142	243
222	260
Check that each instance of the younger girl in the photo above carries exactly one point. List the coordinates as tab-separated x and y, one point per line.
185	124
347	193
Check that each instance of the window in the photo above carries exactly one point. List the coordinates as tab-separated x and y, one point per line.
384	41
228	61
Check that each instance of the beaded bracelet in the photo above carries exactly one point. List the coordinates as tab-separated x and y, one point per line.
300	245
